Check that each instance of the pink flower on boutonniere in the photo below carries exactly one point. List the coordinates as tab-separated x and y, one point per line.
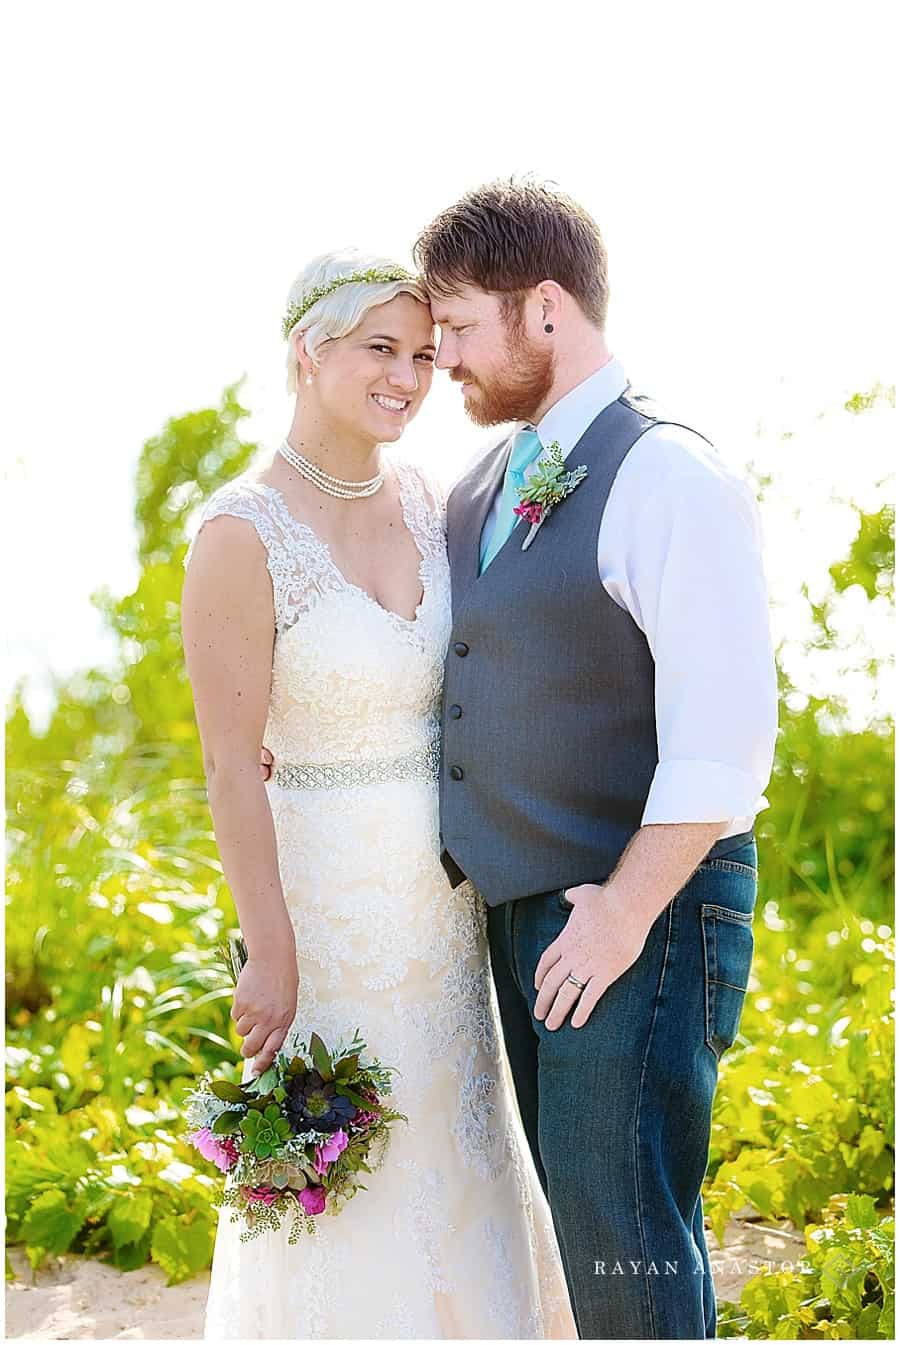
548	485
532	513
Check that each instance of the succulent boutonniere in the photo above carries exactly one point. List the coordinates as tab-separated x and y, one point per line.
549	483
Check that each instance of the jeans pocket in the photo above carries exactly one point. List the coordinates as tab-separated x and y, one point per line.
728	865
742	860
727	955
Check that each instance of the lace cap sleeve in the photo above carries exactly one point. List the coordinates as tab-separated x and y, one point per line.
297	562
424	500
241	499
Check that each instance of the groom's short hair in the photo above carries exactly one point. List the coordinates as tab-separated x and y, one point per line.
509	235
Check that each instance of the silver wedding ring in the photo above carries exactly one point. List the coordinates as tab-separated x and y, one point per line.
575	981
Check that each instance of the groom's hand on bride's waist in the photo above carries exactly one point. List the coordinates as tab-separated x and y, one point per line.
600	942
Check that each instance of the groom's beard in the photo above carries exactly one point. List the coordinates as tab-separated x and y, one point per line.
515	392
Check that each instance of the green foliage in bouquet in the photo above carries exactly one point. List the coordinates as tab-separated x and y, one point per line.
264	1132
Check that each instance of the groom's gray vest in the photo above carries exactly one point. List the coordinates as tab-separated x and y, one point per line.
549	729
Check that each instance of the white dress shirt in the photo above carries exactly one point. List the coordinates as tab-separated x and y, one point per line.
679	547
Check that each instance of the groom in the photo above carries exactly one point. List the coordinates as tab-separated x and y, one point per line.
608	728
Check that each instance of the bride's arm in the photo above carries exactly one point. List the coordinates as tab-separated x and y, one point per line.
228	629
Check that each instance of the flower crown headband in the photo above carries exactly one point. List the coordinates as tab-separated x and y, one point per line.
375	276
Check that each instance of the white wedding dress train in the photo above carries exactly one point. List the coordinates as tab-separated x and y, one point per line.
453	1238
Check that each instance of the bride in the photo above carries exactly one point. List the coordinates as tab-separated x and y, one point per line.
316	616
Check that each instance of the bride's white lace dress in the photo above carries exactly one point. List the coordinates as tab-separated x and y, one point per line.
453	1237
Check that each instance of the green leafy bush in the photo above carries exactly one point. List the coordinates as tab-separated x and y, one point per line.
107	1183
842	1290
804	1107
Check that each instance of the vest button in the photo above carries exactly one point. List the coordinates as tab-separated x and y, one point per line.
461	648
456	772
456	712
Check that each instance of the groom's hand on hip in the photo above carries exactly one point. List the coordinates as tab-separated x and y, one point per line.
599	943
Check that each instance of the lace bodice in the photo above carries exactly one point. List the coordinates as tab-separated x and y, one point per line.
334	698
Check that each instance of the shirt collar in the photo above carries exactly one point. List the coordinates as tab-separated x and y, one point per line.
567	419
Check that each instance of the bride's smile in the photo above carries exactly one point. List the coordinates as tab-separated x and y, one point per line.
363	389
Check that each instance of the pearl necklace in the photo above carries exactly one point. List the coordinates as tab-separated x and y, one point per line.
331	485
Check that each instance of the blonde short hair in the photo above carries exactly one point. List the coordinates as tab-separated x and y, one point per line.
336	314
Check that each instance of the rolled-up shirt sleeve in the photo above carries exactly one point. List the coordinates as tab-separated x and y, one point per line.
680	547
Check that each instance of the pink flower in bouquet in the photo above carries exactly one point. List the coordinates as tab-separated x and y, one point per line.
312	1198
531	513
222	1152
263	1194
326	1153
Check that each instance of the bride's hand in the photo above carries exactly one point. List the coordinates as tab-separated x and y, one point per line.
265	1002
266	762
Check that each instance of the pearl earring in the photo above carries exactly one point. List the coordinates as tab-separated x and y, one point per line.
309	380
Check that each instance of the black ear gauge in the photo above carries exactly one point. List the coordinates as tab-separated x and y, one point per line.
548	326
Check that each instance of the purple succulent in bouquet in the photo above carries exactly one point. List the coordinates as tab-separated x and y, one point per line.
314	1104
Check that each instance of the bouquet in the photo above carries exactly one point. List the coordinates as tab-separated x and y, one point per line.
294	1141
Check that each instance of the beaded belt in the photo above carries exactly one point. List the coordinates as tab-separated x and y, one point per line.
419	765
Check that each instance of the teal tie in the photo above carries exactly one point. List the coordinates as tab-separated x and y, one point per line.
526	447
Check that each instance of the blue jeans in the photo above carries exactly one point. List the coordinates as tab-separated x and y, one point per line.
617	1113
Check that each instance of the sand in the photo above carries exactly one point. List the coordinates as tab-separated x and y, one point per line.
71	1298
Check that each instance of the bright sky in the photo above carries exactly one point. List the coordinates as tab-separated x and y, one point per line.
176	164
